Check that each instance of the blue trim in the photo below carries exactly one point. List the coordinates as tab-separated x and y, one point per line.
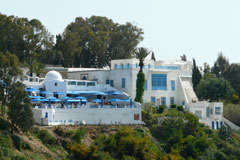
159	82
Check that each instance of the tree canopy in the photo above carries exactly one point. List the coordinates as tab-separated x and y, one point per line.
214	89
94	41
24	38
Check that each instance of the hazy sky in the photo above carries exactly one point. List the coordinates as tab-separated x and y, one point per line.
197	28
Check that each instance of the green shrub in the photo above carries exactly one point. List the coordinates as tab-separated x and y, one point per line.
59	131
68	133
173	106
161	108
180	108
78	135
20	143
18	157
5	141
46	137
4	125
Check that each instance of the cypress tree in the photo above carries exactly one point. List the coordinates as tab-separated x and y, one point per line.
196	75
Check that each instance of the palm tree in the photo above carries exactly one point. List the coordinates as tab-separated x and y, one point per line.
141	54
39	68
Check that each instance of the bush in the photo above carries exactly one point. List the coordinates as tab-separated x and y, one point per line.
180	108
78	135
161	108
80	151
59	131
4	125
173	106
46	137
18	157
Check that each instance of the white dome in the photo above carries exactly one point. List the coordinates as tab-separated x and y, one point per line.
53	75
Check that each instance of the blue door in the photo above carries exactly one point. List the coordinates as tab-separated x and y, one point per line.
46	115
217	124
212	124
221	123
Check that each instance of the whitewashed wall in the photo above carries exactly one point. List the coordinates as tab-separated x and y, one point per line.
90	115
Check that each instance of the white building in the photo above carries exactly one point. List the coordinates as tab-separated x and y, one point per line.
167	82
89	113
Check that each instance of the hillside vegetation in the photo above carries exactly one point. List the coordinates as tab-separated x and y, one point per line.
179	134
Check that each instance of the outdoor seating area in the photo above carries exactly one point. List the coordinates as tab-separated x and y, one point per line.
45	99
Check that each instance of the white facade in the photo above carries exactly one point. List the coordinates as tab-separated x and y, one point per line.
167	82
88	116
89	113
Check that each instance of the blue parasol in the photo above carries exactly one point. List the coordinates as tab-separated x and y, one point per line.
97	100
32	90
45	92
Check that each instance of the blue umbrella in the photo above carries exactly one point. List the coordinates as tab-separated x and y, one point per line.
114	100
67	97
36	100
44	100
97	100
126	100
45	92
51	97
37	97
59	93
54	100
31	96
80	97
32	90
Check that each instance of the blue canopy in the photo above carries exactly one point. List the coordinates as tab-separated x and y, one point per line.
115	93
32	90
36	100
45	92
67	97
51	97
126	100
38	97
44	100
97	100
80	97
114	100
31	96
54	100
59	93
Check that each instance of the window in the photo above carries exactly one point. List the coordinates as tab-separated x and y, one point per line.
81	83
123	82
90	83
207	111
145	85
183	103
128	65
172	85
55	84
153	99
159	82
172	100
218	110
163	101
72	83
136	65
109	82
115	66
149	66
122	66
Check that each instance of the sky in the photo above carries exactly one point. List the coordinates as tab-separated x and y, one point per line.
199	29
